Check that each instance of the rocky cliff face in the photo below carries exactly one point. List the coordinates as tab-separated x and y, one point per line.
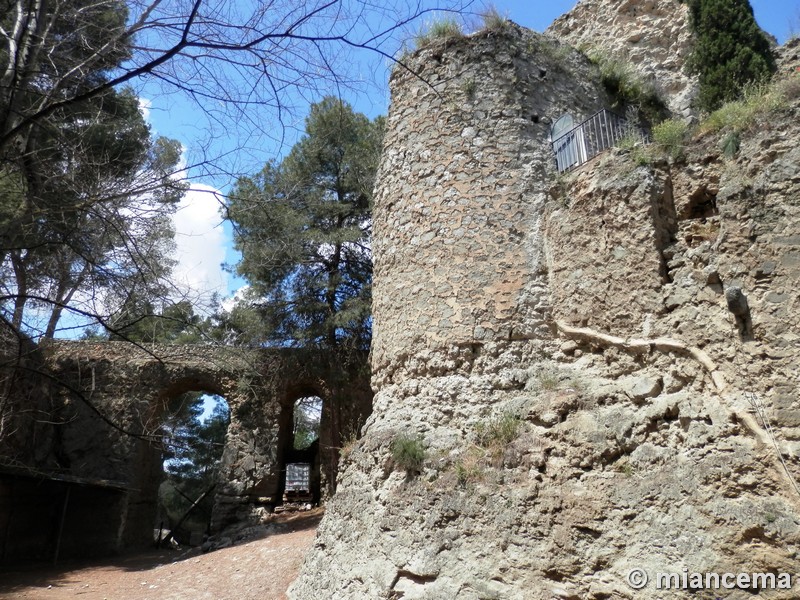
653	36
602	368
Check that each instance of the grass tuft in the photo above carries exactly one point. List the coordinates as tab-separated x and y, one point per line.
494	21
757	102
547	381
670	137
408	453
628	88
443	29
501	431
495	436
469	469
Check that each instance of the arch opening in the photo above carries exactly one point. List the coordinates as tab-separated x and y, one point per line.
194	427
300	468
306	418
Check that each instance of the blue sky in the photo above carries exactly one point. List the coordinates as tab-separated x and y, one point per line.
204	242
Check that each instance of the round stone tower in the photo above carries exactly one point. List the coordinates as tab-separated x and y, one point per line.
460	300
461	192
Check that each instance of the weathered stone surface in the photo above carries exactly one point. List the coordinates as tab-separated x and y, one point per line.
638	443
652	36
640	388
464	179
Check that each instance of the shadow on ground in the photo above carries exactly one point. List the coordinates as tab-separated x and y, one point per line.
67	573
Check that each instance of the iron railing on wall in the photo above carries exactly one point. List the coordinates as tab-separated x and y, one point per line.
590	137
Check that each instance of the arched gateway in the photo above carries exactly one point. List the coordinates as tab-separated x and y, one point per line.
105	459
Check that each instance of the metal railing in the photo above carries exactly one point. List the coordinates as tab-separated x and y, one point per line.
590	137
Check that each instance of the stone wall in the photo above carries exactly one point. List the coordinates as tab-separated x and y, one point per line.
688	234
457	246
24	395
565	350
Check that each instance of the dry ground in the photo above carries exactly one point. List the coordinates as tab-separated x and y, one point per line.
260	569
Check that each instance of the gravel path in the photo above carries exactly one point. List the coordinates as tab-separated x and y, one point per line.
260	569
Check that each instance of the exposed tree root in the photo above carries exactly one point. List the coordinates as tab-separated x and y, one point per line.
641	346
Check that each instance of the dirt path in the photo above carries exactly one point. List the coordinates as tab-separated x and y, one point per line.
261	569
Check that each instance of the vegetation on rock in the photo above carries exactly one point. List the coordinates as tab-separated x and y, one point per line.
442	29
494	21
730	50
754	103
407	452
670	137
628	89
499	431
757	105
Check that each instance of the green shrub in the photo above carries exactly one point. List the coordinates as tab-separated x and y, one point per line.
407	452
730	144
642	156
443	29
670	136
729	52
740	115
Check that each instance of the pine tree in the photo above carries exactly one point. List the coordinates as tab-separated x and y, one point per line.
303	228
139	321
193	451
730	50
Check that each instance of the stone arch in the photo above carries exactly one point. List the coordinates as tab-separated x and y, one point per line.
151	459
111	395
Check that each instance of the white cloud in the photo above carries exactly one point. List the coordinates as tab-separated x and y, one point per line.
201	243
144	107
200	239
237	297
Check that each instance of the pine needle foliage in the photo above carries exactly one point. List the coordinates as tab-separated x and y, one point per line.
303	227
730	50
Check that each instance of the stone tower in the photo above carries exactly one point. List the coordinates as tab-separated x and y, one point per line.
462	186
460	296
591	410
